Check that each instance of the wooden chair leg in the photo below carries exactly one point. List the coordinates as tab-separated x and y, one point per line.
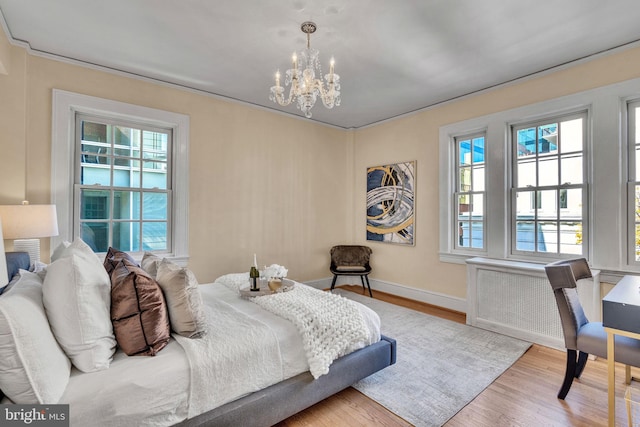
582	361
569	374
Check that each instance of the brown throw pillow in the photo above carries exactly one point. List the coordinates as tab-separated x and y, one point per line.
113	257
138	311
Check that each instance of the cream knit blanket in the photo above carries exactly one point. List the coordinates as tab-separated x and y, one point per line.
331	326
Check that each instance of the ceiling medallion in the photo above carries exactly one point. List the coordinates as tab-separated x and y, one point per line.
305	87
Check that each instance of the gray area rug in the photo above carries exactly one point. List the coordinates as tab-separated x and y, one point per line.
441	365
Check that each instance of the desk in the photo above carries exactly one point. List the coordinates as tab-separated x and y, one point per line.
620	315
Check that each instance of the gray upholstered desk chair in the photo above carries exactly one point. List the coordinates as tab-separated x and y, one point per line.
580	335
351	260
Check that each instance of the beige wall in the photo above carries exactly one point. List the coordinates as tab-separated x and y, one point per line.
284	188
416	137
259	181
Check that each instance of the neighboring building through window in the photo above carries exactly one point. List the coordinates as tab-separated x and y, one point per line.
469	197
549	191
123	185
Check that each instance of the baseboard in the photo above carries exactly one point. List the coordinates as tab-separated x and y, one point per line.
433	298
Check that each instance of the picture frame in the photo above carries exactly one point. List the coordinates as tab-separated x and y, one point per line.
391	203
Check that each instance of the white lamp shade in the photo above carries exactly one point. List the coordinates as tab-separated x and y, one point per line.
28	221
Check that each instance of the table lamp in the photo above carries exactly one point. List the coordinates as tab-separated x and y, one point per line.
25	224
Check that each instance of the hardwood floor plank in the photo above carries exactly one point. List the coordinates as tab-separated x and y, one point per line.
523	396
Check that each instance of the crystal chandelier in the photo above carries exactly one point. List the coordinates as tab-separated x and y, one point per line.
305	87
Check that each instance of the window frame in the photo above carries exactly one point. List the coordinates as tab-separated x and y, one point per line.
65	107
629	127
457	192
113	188
537	189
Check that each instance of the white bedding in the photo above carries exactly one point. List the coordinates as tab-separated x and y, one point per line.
160	390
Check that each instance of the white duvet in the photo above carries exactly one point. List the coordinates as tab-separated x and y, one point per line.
247	348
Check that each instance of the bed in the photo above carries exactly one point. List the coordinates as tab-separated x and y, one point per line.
183	384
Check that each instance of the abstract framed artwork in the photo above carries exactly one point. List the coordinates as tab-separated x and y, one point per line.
390	203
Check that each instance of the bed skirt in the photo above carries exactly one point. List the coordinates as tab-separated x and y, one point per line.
278	402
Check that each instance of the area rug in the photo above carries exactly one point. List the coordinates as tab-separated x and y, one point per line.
441	365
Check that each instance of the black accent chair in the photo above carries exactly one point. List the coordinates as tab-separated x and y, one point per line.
351	260
582	337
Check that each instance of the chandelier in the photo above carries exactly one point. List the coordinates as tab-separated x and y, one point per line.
305	87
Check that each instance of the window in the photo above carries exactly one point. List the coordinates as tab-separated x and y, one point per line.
548	194
633	185
120	175
122	185
469	197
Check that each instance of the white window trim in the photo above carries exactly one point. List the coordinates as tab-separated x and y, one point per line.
606	174
65	106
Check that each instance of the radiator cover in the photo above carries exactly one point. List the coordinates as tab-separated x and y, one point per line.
516	299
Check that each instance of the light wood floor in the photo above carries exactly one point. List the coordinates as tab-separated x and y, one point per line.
525	395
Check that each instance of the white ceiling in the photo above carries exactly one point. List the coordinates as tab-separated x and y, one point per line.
393	57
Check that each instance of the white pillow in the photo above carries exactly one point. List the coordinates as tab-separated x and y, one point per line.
149	263
180	288
33	367
77	298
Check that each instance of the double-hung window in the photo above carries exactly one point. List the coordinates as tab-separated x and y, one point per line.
120	175
470	192
548	198
123	185
633	185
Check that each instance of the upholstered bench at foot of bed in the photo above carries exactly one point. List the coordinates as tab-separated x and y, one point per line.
278	402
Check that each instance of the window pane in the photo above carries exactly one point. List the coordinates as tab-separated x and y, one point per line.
126	236
127	174
94	204
478	178
155	142
571	169
478	150
154	236
637	177
464	153
637	245
154	206
525	204
571	133
123	135
463	234
94	132
571	237
477	239
547	204
573	208
477	205
464	204
525	235
548	236
92	174
465	179
548	138
548	173
154	175
526	173
126	205
526	141
96	235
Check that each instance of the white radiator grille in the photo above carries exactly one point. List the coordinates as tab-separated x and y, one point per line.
516	299
519	301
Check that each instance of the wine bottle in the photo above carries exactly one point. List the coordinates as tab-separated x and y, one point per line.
253	275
